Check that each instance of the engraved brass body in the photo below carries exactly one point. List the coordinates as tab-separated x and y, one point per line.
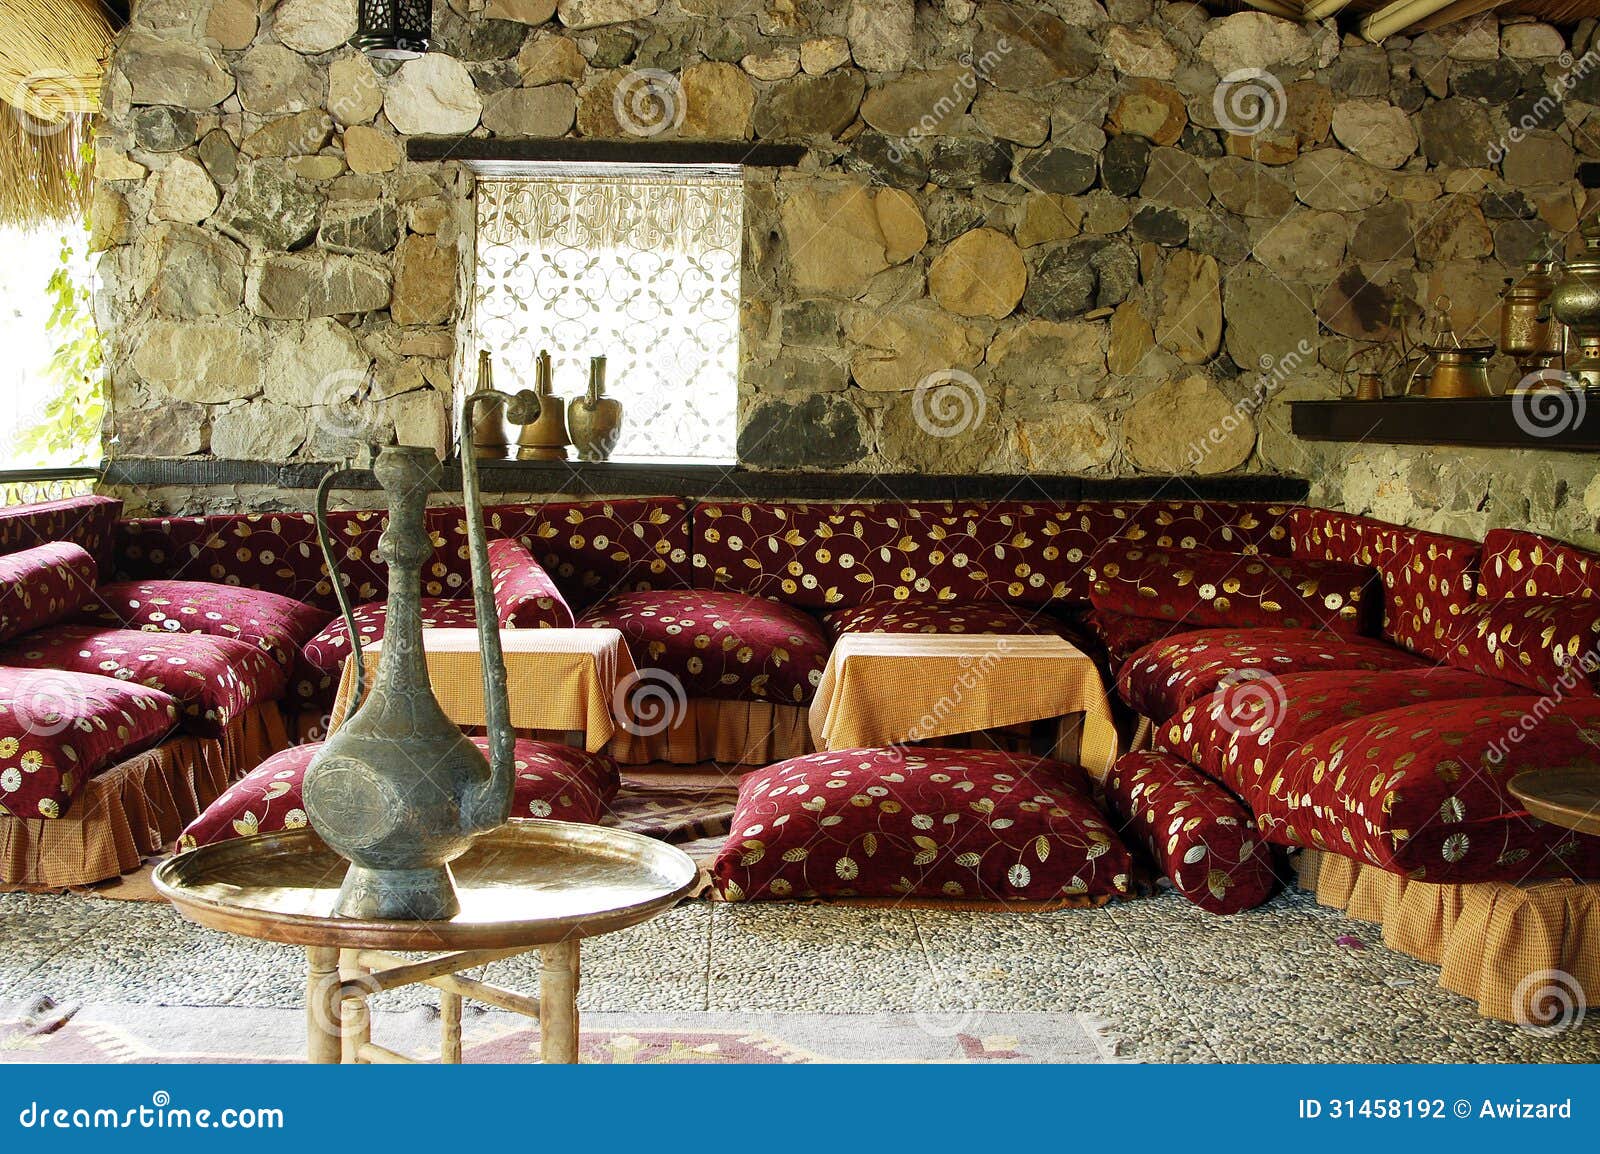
1527	332
1575	302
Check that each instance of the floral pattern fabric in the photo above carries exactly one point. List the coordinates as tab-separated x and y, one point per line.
1521	564
976	617
524	595
316	674
720	645
1162	678
1428	578
43	585
552	781
213	679
1547	644
1199	834
1243	730
933	823
90	522
58	729
1421	791
274	624
1206	587
1121	636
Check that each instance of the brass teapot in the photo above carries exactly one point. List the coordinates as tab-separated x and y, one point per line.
1454	370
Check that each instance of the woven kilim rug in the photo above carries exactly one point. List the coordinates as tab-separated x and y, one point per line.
165	1034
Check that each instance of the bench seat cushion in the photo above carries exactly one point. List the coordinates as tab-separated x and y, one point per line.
1200	835
524	594
1517	563
553	781
58	729
921	616
726	646
271	622
213	679
316	674
931	823
1162	678
1421	790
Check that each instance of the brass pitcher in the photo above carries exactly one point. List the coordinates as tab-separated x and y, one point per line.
545	438
595	419
489	440
398	790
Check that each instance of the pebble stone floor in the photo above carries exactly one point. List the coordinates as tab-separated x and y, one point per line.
1174	983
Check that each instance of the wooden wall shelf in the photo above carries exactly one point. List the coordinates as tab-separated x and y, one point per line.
1570	423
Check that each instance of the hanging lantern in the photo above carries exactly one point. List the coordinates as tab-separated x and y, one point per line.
394	29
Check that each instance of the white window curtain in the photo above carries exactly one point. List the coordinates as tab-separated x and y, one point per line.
643	269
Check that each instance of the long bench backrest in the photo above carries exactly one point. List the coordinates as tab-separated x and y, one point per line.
1517	563
89	521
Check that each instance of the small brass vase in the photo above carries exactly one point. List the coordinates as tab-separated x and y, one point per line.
545	439
595	419
489	439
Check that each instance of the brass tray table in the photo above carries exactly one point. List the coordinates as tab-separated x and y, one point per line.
529	885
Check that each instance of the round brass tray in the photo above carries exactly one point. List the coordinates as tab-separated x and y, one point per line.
1569	798
527	883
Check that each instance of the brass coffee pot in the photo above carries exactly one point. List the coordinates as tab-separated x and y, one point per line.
545	438
1453	369
595	419
1575	302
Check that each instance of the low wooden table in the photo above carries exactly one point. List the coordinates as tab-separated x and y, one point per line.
882	689
529	885
1569	798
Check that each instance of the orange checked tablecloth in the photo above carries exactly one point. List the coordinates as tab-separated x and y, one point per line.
886	688
561	679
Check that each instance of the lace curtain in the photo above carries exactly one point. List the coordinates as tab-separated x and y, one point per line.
641	269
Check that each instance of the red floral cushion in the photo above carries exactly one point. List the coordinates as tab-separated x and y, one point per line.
89	521
273	623
1207	587
1521	564
1548	644
523	591
1162	678
1428	578
1199	834
553	781
214	679
1246	727
43	585
932	823
59	729
939	617
720	645
1121	635
1421	790
316	674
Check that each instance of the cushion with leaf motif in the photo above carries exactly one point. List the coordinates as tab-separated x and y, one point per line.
271	622
925	822
524	594
43	585
1547	644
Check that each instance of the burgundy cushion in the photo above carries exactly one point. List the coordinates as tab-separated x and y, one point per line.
1207	587
316	674
1199	834
1547	644
1243	730
1163	677
923	823
1428	578
720	645
987	617
1121	636
1517	563
214	679
553	781
1421	790
89	521
273	623
524	594
59	729
43	585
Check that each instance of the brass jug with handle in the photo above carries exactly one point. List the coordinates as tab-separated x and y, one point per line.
398	790
1454	370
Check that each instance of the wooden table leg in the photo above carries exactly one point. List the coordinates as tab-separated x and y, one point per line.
356	1012
558	1003
449	1027
322	1005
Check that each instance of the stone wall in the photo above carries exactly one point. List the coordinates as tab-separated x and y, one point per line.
1046	237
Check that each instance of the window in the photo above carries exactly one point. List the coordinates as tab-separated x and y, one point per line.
640	267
